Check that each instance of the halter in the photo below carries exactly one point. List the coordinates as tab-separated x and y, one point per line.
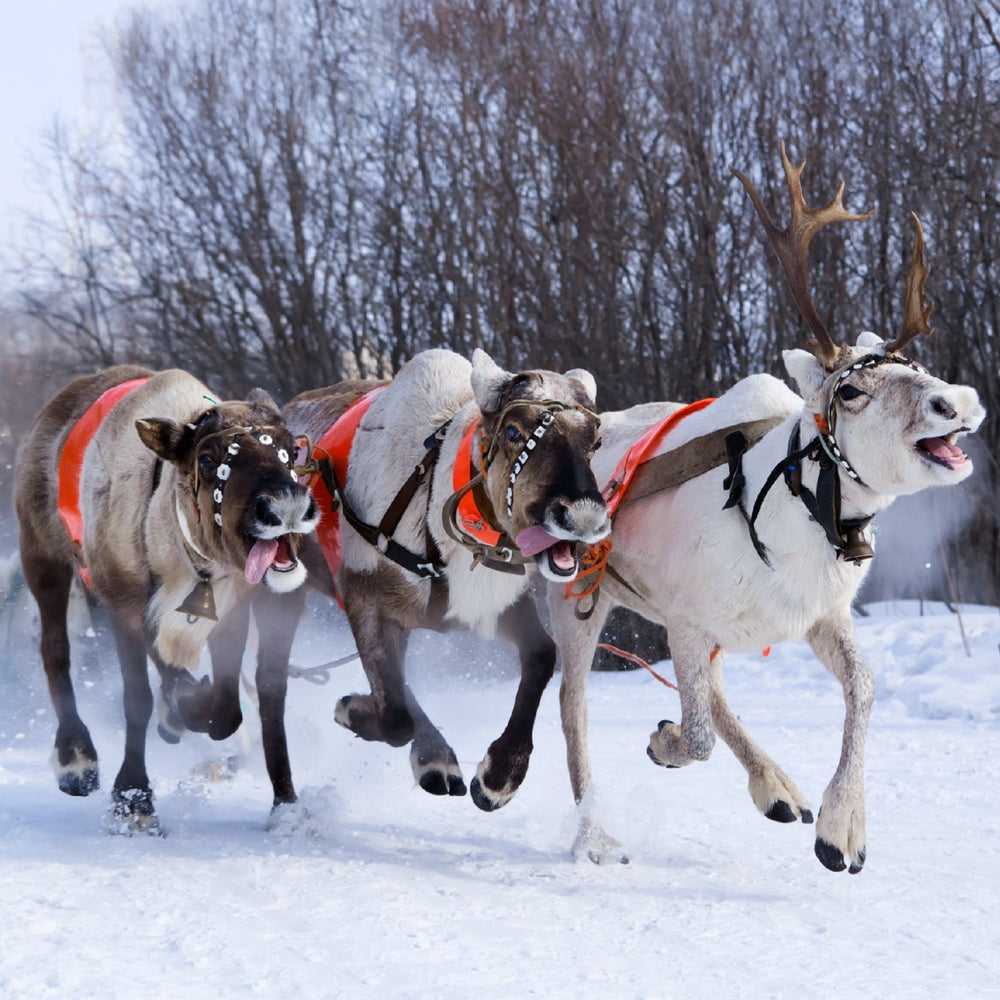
826	424
552	407
224	470
501	553
847	537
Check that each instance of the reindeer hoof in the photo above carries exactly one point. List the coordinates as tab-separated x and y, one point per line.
481	799
658	763
132	812
781	812
439	783
830	856
79	775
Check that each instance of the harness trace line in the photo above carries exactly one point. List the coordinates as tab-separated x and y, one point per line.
638	660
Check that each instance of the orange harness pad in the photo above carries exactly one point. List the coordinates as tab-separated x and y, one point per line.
335	447
472	519
71	460
640	451
594	561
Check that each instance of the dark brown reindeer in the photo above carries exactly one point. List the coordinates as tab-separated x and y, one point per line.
748	524
407	550
173	507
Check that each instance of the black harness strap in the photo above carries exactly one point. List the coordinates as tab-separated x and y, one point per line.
504	556
847	537
429	566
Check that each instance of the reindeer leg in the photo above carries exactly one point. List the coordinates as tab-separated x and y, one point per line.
277	617
840	828
132	798
501	771
673	744
226	644
433	761
577	641
772	791
74	759
381	639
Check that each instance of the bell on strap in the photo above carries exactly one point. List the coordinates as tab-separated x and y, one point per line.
199	603
856	548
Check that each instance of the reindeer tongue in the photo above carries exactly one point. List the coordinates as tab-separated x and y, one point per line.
535	539
260	558
946	454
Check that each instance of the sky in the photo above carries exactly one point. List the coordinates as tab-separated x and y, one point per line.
50	66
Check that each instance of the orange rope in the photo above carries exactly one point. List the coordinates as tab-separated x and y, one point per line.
638	660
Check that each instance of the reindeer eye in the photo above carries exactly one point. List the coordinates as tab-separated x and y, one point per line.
513	434
206	464
848	392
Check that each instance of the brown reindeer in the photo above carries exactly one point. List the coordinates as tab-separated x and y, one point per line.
406	553
173	506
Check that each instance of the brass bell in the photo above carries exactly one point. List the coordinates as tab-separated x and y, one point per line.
856	549
200	603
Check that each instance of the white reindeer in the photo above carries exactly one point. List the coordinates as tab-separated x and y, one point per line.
787	556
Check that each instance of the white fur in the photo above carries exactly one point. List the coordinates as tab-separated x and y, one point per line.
698	574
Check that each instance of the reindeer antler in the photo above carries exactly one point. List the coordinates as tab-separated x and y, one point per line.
792	245
918	309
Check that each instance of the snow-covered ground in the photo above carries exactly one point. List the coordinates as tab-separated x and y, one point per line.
376	889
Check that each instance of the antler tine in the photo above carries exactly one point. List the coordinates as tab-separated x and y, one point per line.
792	245
918	309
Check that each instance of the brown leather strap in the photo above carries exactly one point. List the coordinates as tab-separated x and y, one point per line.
692	459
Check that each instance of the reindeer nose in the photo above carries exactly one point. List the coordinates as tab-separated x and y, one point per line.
264	512
943	408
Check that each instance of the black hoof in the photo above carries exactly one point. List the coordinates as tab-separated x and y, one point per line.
830	856
781	812
456	786
434	782
807	816
132	812
80	783
662	723
481	800
857	865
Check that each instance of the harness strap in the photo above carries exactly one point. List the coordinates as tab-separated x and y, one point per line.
637	477
847	537
381	536
468	517
327	465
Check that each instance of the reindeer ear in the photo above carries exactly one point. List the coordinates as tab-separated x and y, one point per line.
870	343
588	382
488	381
167	439
806	370
262	399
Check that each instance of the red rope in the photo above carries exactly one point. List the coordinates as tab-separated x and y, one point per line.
638	660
